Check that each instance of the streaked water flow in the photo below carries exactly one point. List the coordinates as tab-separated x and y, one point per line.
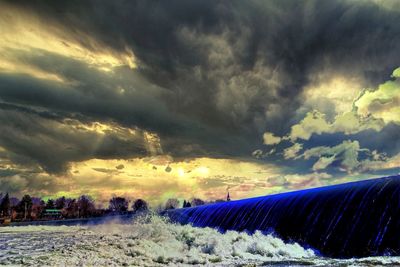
355	219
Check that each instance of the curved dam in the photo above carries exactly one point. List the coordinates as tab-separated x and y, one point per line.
356	219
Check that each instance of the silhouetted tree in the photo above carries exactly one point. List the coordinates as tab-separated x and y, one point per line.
14	202
60	203
50	204
5	206
85	206
171	203
71	210
25	205
186	204
196	202
118	204
139	205
159	208
37	201
38	207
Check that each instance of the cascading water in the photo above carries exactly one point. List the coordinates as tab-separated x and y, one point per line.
356	219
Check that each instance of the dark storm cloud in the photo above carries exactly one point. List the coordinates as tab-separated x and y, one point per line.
273	47
19	172
362	148
387	140
53	144
93	95
212	75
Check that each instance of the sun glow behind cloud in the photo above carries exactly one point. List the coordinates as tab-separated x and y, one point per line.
330	90
158	178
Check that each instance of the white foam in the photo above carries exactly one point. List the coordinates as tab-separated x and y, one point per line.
149	241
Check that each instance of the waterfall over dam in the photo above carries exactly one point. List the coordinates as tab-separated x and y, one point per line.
356	219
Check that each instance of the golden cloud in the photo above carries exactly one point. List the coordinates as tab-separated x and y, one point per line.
271	139
336	91
383	102
141	178
21	31
315	122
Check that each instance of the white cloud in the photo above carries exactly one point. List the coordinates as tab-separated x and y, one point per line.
257	153
331	93
347	153
292	151
315	122
380	162
300	181
271	139
383	102
373	109
323	162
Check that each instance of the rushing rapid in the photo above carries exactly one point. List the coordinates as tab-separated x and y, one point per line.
358	219
153	241
148	241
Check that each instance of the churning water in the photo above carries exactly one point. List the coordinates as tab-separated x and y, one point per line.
357	219
153	241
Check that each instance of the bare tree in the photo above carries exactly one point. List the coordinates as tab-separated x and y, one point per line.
25	205
118	204
50	204
38	207
5	206
71	209
85	206
60	203
140	205
14	202
171	203
197	202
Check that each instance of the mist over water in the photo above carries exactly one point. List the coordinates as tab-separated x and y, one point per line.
153	241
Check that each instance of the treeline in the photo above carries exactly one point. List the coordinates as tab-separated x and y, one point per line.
35	208
174	203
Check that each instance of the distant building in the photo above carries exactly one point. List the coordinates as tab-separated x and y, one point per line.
52	213
228	198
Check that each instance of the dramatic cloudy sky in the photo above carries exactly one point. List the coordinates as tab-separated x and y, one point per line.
159	99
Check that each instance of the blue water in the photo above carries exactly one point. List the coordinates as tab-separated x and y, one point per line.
356	219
